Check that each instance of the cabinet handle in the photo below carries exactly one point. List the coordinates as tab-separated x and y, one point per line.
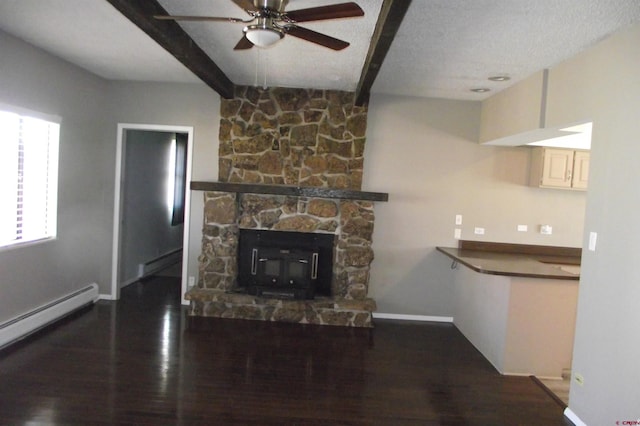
569	173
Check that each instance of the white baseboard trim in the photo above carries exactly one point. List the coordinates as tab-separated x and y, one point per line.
509	373
159	263
557	378
568	413
103	296
23	325
404	317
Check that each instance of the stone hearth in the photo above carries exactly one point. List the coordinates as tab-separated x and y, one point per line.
321	311
289	160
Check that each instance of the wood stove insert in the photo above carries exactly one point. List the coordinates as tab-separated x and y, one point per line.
285	265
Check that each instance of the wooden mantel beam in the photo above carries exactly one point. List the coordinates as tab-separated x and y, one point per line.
391	16
289	190
176	41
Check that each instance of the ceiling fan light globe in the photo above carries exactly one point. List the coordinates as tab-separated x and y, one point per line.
262	36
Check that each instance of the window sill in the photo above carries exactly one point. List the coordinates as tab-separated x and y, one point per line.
24	244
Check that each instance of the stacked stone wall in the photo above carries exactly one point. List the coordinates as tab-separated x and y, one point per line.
351	222
295	137
299	137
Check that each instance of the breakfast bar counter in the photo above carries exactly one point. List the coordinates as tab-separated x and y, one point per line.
517	304
516	260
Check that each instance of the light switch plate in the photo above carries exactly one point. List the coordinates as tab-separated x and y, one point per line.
478	231
593	239
458	219
457	233
522	228
546	229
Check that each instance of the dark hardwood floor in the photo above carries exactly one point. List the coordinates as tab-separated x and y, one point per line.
142	361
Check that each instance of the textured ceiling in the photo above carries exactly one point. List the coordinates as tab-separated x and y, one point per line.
443	47
93	35
446	47
289	61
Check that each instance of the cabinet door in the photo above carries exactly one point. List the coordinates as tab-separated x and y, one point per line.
557	168
580	176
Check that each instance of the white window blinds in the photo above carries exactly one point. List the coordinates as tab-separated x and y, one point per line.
28	178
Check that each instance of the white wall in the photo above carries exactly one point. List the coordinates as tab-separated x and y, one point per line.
604	84
424	153
36	274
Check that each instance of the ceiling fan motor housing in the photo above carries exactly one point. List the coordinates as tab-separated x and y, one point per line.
272	22
278	5
264	33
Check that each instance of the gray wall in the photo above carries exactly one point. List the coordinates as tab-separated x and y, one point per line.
424	153
421	151
33	275
146	232
604	84
194	105
36	274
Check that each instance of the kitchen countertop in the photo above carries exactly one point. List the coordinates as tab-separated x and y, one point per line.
517	260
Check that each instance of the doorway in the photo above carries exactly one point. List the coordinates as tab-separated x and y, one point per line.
153	170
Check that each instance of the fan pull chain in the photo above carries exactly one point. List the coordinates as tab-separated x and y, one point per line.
264	84
255	80
261	57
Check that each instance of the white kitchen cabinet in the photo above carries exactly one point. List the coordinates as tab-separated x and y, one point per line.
559	168
580	177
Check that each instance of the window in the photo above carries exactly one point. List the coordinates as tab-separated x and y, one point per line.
28	177
177	178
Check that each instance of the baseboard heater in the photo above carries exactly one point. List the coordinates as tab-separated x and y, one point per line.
159	263
30	322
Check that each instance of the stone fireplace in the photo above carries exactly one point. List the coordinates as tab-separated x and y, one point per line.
290	161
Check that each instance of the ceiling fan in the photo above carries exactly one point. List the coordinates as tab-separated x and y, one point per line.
272	22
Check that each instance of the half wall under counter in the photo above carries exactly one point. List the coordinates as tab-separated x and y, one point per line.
515	307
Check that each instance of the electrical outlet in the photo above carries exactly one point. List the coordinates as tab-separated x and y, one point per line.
191	281
458	219
457	233
522	228
478	231
546	229
579	379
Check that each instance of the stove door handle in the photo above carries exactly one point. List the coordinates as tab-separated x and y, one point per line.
314	266
254	262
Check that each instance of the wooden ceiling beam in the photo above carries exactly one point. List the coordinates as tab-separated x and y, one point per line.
391	16
176	41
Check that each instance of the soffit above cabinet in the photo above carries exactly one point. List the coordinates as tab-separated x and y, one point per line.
517	116
575	136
